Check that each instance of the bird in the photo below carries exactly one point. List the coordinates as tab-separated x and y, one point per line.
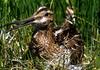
62	46
59	47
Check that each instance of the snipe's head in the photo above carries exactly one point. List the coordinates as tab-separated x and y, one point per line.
42	17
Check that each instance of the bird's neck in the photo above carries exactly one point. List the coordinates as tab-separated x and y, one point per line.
37	28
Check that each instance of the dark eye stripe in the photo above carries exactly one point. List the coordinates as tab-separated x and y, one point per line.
46	14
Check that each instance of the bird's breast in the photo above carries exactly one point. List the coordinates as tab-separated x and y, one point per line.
46	42
42	38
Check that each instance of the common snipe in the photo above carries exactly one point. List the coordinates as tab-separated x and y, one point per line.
59	47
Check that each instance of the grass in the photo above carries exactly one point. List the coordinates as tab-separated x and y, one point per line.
14	44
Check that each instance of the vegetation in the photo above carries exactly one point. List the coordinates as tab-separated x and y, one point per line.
14	44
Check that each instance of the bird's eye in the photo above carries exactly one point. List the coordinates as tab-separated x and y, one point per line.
46	14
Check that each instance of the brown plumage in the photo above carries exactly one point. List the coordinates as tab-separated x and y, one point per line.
61	46
70	38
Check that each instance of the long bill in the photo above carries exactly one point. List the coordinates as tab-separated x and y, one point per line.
20	23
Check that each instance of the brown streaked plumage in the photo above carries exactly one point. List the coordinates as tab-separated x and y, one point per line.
43	37
61	47
71	39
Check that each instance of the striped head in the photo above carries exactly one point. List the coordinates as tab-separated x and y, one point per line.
42	17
